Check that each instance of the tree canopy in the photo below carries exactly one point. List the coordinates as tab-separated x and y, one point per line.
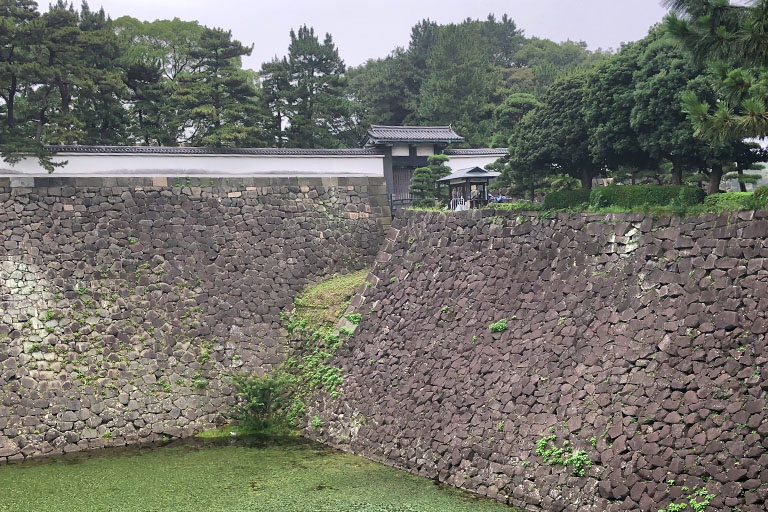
730	37
672	107
624	118
464	74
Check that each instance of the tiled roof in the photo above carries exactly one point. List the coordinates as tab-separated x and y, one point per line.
166	150
379	133
470	172
478	152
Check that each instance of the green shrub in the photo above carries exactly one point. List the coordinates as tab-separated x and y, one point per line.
296	412
260	400
690	196
638	196
730	201
423	203
761	196
516	206
565	199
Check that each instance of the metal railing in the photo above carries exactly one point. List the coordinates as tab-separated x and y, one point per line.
458	203
399	201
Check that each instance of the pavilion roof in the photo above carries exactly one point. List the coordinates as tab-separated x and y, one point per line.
470	172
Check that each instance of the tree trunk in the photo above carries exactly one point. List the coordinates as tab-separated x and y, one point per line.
586	179
715	176
633	175
533	192
742	185
10	103
677	173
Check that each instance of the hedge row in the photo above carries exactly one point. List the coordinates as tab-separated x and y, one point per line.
566	199
641	196
634	196
637	196
738	201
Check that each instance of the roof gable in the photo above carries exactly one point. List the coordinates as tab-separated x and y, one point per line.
377	134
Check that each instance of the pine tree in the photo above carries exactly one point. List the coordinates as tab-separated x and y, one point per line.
424	179
213	101
22	73
144	81
731	38
316	104
57	121
275	79
225	95
100	89
462	83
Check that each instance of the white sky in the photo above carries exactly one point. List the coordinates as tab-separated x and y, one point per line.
365	29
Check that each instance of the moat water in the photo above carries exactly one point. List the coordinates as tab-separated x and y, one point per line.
238	475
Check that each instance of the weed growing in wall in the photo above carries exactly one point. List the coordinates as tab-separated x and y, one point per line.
355	318
577	460
698	500
499	326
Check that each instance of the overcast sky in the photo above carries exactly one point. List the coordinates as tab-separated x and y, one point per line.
364	29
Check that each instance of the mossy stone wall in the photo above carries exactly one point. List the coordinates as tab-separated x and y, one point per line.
126	302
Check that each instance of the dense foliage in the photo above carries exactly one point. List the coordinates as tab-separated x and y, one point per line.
564	199
730	37
76	76
642	115
479	76
657	200
260	400
624	119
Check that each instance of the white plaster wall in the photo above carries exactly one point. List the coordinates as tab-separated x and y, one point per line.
117	164
425	149
399	149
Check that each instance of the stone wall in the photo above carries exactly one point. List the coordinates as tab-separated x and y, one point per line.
640	341
126	302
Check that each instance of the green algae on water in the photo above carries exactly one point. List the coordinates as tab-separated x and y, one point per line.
238	475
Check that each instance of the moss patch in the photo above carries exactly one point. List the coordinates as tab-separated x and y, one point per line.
320	306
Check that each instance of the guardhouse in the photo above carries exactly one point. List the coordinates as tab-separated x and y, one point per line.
468	187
